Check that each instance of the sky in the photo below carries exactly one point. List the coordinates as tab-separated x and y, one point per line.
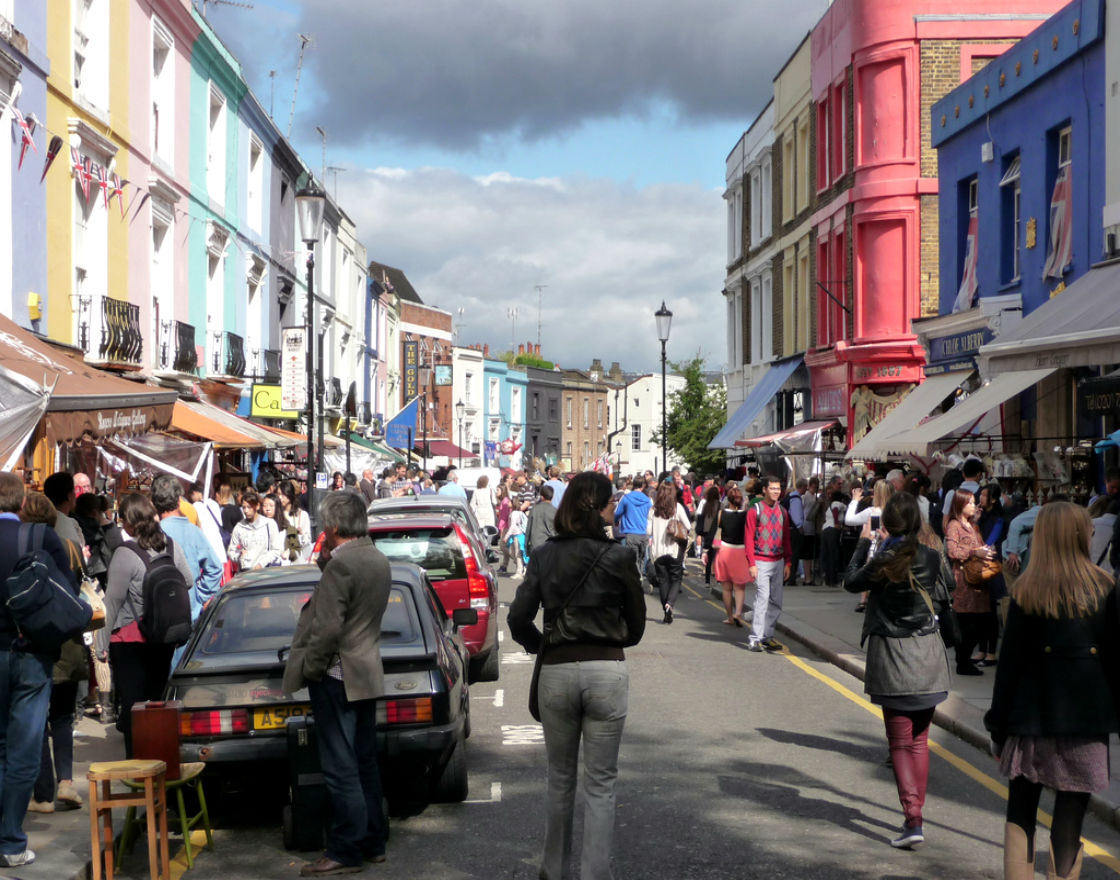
490	147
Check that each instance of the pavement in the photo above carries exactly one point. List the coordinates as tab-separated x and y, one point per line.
823	619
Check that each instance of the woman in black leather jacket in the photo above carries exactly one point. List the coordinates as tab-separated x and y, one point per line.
593	608
1054	703
907	671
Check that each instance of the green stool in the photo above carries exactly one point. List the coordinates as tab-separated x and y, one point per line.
190	776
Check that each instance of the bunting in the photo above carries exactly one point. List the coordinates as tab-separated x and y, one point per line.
27	126
53	150
118	192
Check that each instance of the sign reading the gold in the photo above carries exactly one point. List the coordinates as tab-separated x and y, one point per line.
265	404
411	369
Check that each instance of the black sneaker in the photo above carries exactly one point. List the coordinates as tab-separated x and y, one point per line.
771	644
910	838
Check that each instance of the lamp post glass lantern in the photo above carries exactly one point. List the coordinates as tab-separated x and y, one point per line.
310	202
460	410
664	319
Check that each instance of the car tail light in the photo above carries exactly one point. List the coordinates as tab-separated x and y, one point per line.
412	711
478	587
214	722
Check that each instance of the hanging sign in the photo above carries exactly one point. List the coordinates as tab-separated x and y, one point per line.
411	368
265	400
293	369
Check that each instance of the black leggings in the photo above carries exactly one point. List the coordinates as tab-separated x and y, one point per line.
972	626
1065	829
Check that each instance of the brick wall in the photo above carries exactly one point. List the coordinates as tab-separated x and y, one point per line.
776	169
777	297
931	250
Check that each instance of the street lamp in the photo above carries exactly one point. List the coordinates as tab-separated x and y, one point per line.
618	458
310	202
460	411
664	319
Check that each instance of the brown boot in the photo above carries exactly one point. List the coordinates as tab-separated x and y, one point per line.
1018	860
1074	872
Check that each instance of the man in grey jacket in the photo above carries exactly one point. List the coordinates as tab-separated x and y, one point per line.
336	652
541	519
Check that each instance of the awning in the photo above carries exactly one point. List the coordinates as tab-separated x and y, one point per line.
1079	327
762	393
296	440
912	411
22	404
447	448
791	438
965	414
372	446
84	399
227	430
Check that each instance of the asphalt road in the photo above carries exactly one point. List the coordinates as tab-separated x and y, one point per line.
733	765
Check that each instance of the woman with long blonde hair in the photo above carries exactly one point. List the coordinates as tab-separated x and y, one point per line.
1054	707
880	495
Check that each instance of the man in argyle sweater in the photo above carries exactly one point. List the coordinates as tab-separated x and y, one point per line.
770	555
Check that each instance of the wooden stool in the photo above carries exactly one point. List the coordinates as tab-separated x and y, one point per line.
153	797
190	776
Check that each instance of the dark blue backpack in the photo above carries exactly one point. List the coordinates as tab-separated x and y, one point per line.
40	598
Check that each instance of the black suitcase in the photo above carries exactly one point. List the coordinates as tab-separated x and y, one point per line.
305	819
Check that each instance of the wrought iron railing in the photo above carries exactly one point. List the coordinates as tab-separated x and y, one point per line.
271	363
186	355
334	392
234	346
121	339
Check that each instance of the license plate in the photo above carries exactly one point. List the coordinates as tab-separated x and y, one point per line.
273	719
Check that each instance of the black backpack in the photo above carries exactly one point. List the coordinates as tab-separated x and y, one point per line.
40	598
167	601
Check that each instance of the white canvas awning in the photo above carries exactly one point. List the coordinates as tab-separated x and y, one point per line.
22	404
911	412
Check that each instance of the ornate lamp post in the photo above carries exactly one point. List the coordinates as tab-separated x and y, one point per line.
310	202
664	319
460	411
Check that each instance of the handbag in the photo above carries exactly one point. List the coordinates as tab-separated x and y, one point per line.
946	623
977	571
676	531
89	590
534	682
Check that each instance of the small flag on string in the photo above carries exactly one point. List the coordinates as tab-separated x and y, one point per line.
87	177
78	169
103	182
53	149
118	191
27	127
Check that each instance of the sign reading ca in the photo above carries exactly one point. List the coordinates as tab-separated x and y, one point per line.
265	404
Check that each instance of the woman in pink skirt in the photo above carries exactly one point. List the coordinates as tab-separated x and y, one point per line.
732	570
1053	707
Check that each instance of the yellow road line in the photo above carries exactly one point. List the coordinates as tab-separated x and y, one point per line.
179	863
1094	851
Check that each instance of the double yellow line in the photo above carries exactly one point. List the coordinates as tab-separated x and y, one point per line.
1094	851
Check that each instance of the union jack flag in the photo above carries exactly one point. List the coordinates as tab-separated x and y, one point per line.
1061	227
966	294
118	191
102	178
78	166
27	127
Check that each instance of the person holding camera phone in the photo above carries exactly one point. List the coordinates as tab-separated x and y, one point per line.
880	494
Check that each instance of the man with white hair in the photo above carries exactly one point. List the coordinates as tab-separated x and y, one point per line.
452	487
897	479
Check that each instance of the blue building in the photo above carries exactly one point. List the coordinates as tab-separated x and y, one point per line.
505	393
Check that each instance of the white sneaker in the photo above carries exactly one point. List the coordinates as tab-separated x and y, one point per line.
68	795
15	860
40	806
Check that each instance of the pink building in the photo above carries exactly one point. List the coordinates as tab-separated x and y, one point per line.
877	68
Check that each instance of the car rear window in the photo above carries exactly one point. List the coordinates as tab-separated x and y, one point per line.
245	626
436	550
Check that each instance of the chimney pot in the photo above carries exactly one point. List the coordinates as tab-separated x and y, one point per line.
486	350
521	348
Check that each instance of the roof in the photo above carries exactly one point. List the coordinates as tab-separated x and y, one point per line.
411	520
398	281
305	573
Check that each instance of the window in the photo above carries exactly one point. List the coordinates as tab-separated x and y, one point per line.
553	409
803	164
838	153
586	412
91	52
536	406
495	402
255	330
162	280
767	317
789	302
756	207
824	131
467	384
756	319
802	342
586	454
787	176
968	233
515	404
216	147
1065	153
599	413
636	438
163	93
1059	253
90	250
569	410
1010	221
254	201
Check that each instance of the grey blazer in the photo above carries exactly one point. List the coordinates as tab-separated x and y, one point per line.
343	619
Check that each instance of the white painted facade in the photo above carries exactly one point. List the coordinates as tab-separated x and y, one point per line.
639	415
469	386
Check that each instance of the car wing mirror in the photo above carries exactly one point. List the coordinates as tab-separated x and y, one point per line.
464	616
282	653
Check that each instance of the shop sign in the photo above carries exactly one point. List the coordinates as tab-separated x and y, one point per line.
443	374
829	401
957	347
266	402
293	369
1101	395
411	369
882	371
63	426
869	408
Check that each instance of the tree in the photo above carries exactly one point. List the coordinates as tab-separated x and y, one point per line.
695	415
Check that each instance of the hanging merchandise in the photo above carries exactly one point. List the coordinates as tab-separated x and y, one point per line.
52	150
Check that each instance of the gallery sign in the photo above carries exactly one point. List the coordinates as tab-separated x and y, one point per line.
266	402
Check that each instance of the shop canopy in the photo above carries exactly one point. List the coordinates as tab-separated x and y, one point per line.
912	411
372	446
1079	327
446	448
965	415
83	399
799	438
22	404
225	429
762	393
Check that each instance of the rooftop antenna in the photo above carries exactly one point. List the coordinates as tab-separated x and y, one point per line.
459	312
303	41
539	288
271	94
511	313
206	3
323	135
334	169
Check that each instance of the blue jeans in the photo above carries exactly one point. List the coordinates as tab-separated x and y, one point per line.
347	733
25	692
587	700
640	545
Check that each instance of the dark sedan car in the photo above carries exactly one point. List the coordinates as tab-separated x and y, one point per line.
229	679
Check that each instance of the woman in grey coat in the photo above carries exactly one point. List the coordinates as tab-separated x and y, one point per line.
907	668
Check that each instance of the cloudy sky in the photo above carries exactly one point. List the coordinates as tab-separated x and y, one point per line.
489	147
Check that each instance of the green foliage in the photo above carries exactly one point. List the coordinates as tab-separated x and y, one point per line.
696	414
525	360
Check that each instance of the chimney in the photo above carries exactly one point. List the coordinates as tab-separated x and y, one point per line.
521	348
615	371
486	350
537	349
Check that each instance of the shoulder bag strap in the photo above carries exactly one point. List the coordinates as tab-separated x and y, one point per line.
1104	553
923	592
584	578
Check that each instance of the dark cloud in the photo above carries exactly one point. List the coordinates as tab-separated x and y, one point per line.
458	74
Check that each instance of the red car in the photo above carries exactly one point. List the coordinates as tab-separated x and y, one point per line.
458	567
